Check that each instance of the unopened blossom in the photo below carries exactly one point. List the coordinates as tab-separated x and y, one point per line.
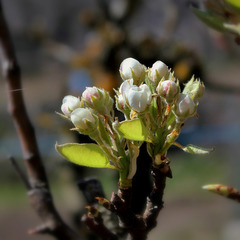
83	119
89	93
120	102
125	86
70	103
158	71
98	99
184	107
132	68
168	90
139	97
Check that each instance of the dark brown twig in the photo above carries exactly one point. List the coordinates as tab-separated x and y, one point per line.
39	193
155	200
94	221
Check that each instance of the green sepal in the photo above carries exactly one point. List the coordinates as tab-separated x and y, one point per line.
197	150
153	108
87	154
212	21
103	133
133	130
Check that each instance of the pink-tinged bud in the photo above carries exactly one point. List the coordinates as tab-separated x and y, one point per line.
139	98
132	68
120	102
84	120
168	90
98	99
89	93
158	71
70	103
184	107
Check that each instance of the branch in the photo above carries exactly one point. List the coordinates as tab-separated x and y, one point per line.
94	221
39	193
155	200
132	223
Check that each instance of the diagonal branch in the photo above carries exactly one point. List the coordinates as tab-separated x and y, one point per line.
39	193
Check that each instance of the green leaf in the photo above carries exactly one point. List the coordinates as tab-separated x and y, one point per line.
234	4
133	130
197	150
212	21
87	154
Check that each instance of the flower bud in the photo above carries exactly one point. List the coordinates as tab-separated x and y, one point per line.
125	86
132	68
139	97
158	71
70	103
89	93
168	90
184	107
98	99
120	102
84	120
195	89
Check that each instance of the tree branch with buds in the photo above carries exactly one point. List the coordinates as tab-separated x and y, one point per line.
155	110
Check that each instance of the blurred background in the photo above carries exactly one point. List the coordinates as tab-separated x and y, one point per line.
63	46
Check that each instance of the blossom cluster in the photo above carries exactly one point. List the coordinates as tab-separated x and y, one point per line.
152	103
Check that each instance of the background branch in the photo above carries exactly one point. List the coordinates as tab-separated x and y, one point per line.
39	193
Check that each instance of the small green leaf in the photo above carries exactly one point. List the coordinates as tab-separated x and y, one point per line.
87	154
133	130
197	150
234	4
212	21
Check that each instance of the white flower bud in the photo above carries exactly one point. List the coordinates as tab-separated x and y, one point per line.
120	102
139	97
83	119
70	103
158	71
89	93
98	99
132	68
168	90
125	86
184	107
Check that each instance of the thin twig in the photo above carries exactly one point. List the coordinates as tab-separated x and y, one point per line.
95	223
20	173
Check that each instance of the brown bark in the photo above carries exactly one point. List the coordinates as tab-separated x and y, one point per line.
38	188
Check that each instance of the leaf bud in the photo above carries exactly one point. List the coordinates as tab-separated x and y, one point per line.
195	89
